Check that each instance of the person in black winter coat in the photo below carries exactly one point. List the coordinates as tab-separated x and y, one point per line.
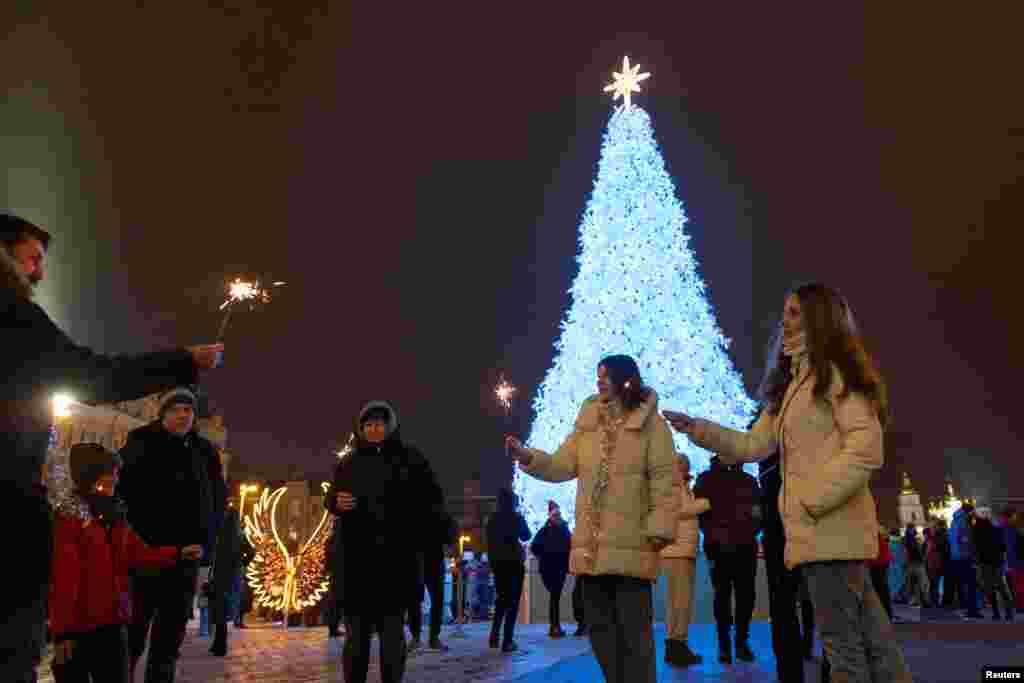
432	568
990	541
387	502
175	494
38	360
730	543
784	585
506	533
224	578
551	547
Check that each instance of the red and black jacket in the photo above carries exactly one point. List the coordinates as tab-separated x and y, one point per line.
89	577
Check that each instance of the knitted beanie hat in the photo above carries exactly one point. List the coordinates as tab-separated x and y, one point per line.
179	396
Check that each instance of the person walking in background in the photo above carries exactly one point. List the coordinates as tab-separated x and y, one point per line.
825	410
963	558
784	585
1015	555
991	547
917	578
622	453
679	565
730	543
879	568
551	547
506	533
224	580
334	567
245	594
937	562
94	548
40	359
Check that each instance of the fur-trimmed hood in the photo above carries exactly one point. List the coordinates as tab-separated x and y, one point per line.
11	278
393	432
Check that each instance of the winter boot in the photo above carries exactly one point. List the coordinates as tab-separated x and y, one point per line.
724	648
436	644
220	641
556	632
678	653
743	651
495	639
581	630
509	647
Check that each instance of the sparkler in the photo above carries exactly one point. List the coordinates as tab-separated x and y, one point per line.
240	291
505	392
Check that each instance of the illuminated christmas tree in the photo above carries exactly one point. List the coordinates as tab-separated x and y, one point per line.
637	292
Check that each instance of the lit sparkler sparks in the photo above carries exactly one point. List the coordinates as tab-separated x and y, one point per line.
505	392
240	292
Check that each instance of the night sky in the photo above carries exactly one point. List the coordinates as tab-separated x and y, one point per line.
418	179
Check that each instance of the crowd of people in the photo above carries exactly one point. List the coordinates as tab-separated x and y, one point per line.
108	570
973	562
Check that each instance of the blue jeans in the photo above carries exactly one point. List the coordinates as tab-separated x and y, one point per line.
858	639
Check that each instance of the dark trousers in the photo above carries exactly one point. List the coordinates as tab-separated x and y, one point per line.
164	601
355	656
880	580
620	617
508	582
22	638
433	579
966	577
433	582
100	656
577	602
555	585
733	570
783	596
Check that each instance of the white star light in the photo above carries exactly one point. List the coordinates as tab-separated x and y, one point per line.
627	82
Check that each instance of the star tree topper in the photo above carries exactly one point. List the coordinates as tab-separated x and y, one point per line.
626	82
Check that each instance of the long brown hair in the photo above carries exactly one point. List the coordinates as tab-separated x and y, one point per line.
832	338
624	375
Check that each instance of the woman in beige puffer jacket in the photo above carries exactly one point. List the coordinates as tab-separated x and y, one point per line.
825	405
622	454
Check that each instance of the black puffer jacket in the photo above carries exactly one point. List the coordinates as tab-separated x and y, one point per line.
398	507
166	486
735	515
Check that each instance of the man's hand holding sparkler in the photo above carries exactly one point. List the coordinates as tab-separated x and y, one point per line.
207	356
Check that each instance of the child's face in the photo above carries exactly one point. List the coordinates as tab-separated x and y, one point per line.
105	485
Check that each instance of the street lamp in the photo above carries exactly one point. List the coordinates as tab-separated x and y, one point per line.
461	617
62	405
243	490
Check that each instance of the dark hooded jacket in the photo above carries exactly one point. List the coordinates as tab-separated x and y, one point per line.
735	515
39	360
507	531
172	488
398	507
551	547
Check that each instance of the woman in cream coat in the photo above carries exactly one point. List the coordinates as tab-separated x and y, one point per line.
621	452
679	565
825	408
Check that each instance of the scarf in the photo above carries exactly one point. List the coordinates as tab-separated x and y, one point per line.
611	417
795	348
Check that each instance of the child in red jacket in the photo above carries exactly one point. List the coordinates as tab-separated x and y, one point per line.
94	548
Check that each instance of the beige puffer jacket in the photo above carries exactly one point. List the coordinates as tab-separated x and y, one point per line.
829	450
638	505
687	531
